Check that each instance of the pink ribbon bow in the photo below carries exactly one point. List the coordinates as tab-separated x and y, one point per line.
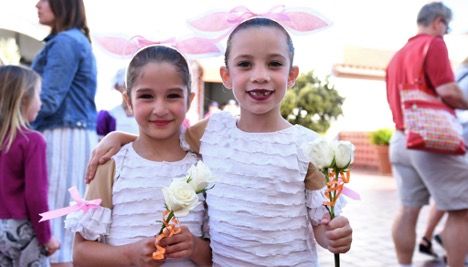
80	204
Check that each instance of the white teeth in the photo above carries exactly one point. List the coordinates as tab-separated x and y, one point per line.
260	92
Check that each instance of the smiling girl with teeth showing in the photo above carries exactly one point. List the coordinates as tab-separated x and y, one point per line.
267	195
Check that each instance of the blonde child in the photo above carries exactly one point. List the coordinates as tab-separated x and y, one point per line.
122	231
23	172
268	195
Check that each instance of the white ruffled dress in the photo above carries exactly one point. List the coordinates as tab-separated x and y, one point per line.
138	203
259	210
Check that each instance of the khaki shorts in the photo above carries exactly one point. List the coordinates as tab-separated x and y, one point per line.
421	175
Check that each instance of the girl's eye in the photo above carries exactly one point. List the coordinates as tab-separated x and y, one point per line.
145	96
244	64
276	64
174	96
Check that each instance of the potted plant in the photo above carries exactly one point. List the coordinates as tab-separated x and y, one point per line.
381	139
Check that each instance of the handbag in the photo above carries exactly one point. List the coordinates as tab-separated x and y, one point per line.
430	124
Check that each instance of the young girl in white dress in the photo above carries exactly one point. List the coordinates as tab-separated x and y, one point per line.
122	231
267	206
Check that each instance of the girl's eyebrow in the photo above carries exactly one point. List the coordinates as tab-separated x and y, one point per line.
251	56
145	89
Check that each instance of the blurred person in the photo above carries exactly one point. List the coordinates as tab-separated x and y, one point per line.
24	241
213	108
232	107
425	245
67	117
461	76
119	118
422	174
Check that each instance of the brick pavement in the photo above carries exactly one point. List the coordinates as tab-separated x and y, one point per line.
371	219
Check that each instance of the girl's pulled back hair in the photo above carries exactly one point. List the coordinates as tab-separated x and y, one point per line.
17	88
259	22
69	14
158	54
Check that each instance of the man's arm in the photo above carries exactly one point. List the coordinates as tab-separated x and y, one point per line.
452	95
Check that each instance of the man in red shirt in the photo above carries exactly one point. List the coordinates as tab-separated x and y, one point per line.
421	174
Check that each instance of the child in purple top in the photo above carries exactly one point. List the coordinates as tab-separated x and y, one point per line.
23	172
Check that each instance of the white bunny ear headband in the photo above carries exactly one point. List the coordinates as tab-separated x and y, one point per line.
217	24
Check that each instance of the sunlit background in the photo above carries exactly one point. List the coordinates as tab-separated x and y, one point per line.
354	50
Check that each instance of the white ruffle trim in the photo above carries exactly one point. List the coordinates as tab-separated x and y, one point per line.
92	225
315	207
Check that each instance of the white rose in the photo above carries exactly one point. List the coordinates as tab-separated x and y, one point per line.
200	177
180	197
344	153
320	152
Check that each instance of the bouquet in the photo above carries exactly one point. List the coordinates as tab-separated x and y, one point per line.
180	198
333	160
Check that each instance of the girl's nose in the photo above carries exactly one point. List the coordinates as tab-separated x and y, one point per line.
260	75
160	108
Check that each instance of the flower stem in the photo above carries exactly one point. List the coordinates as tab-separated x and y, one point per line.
166	222
337	259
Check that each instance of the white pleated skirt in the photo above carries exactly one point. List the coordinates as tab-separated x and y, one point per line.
68	152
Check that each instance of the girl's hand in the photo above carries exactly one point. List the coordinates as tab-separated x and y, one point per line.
103	152
140	253
51	246
339	234
180	245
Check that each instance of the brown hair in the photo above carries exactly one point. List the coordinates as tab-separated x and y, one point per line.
17	88
259	22
158	53
69	14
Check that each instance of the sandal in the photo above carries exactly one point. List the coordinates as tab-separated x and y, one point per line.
438	239
427	247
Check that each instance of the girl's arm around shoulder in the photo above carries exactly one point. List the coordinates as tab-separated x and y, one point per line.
92	253
194	134
334	235
107	147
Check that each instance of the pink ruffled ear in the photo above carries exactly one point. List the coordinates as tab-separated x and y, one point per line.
214	22
127	47
294	19
303	21
197	46
117	45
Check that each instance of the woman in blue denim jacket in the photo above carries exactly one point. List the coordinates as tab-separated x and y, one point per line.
68	113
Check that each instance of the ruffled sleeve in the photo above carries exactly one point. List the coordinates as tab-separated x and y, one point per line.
95	223
92	225
315	208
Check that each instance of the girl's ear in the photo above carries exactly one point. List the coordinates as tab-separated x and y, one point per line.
224	72
190	99
292	76
128	101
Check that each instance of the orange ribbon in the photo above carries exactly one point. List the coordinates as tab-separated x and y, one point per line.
170	228
335	186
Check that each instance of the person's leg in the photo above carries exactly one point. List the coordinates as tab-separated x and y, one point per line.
434	218
425	244
404	233
446	179
455	236
413	195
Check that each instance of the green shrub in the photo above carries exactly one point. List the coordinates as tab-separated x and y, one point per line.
381	136
312	103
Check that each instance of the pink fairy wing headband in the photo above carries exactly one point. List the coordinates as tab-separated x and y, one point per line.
294	19
193	46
